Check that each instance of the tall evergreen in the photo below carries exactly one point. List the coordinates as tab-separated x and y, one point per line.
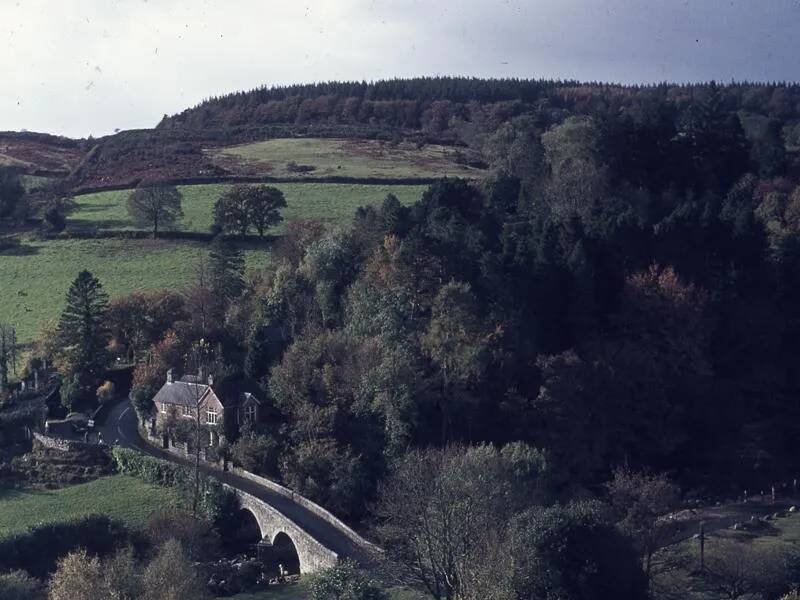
83	336
226	263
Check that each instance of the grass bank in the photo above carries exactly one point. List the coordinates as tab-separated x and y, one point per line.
343	158
117	496
36	277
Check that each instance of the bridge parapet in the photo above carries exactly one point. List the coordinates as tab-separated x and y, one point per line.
313	555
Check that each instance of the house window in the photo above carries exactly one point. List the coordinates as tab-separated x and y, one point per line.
186	411
250	413
211	416
163	408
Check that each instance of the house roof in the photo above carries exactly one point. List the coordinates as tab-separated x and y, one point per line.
232	391
181	393
186	391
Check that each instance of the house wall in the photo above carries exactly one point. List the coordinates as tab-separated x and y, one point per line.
210	401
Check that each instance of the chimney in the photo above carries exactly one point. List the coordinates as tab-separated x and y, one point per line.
201	374
210	379
169	375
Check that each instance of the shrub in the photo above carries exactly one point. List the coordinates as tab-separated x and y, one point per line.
18	585
149	469
293	167
38	549
345	582
199	542
105	393
214	498
256	453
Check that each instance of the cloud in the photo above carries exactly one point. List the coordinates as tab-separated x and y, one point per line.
77	67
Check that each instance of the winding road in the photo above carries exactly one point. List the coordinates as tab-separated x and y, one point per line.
120	428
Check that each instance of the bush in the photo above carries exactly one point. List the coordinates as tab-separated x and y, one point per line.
345	582
256	453
328	475
149	469
214	498
54	219
38	549
199	542
293	167
18	585
105	393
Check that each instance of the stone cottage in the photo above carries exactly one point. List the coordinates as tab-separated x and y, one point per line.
194	395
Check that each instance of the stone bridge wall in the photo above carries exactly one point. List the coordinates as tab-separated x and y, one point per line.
313	555
315	508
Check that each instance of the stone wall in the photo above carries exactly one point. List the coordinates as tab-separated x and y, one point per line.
61	444
313	555
309	505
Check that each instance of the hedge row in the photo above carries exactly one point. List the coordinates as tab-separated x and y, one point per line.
149	469
38	550
214	500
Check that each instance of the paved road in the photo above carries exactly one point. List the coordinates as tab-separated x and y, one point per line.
121	428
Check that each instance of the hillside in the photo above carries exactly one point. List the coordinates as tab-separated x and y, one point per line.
39	154
228	137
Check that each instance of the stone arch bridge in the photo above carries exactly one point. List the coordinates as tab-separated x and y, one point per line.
313	555
320	539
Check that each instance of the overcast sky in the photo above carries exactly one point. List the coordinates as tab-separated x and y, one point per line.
80	67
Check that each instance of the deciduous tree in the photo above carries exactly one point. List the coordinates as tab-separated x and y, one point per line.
264	204
155	205
232	211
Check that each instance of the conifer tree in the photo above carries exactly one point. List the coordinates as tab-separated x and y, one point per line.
83	336
226	265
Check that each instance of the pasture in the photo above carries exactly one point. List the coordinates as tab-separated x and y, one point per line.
118	496
331	203
342	158
35	278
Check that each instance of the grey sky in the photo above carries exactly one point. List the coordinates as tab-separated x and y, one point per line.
77	67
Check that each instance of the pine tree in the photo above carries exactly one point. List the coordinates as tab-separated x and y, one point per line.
83	334
226	265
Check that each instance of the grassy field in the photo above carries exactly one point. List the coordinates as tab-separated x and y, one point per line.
342	158
119	496
323	202
780	535
35	279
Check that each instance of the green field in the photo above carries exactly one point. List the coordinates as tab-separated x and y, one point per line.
35	279
319	201
342	158
118	496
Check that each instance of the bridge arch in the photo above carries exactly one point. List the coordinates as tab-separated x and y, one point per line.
284	540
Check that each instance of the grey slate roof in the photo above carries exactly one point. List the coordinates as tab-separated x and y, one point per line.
180	393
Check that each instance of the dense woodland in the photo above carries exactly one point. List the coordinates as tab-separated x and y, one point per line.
623	291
